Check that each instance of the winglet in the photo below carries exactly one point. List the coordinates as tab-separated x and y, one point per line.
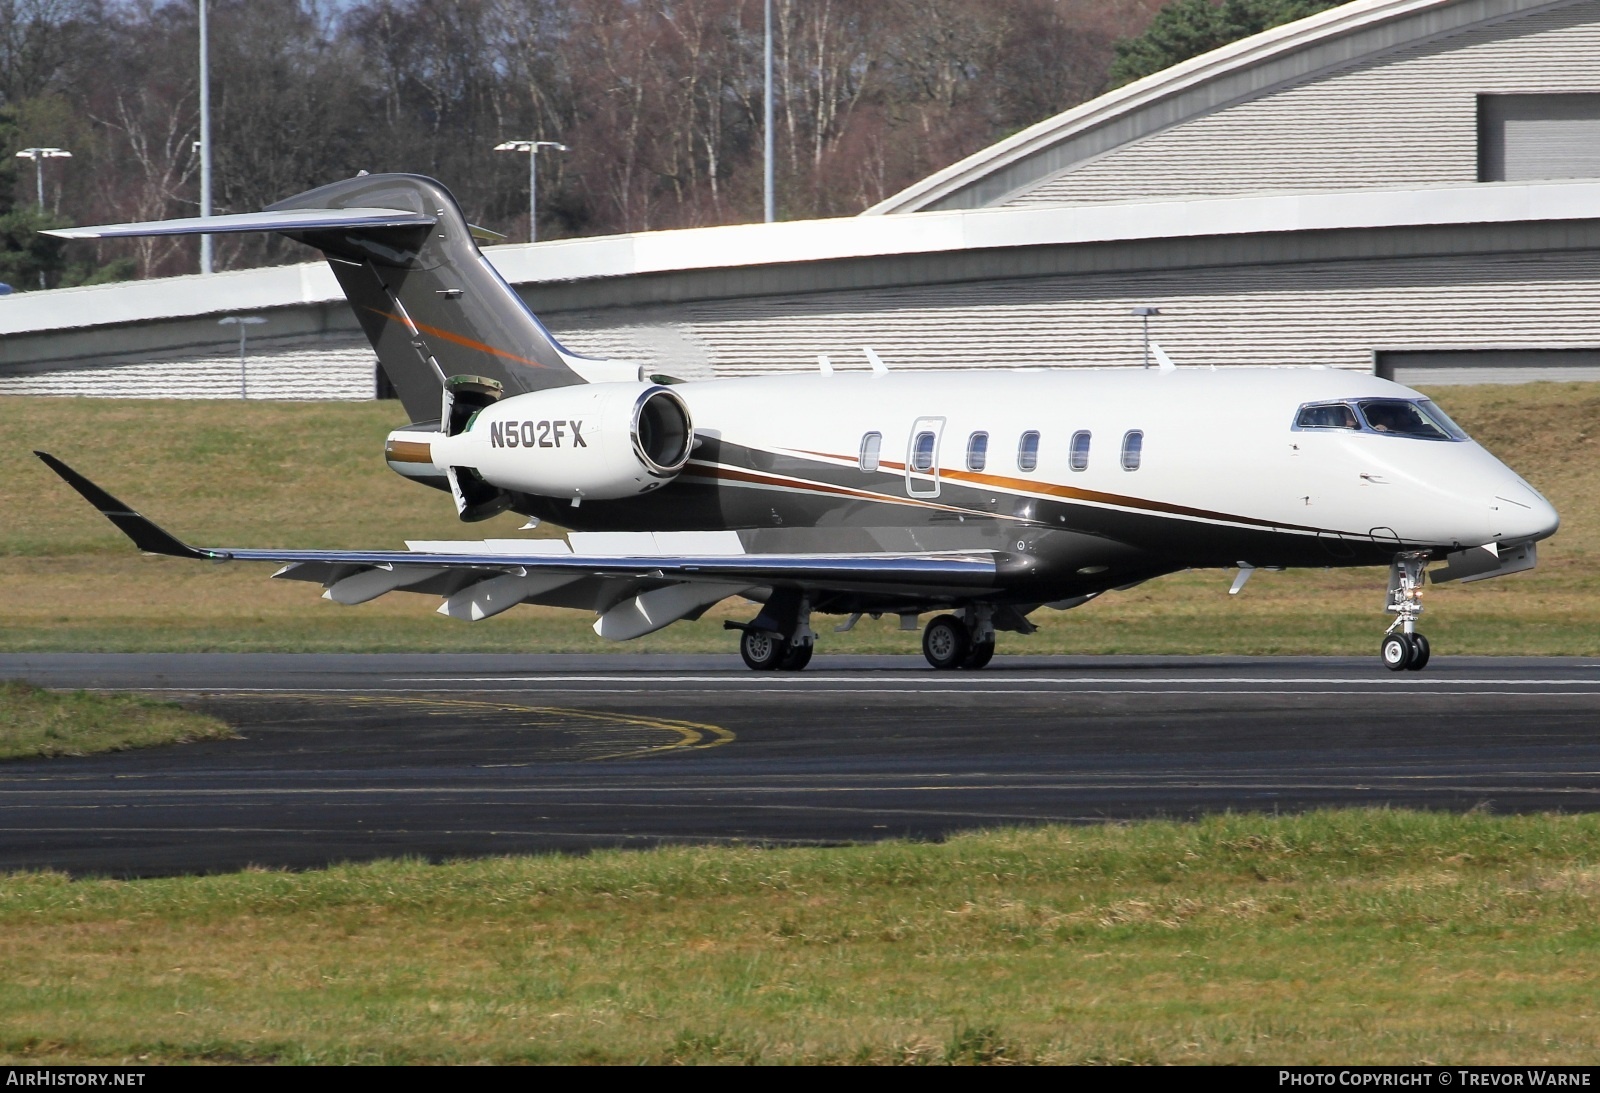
145	534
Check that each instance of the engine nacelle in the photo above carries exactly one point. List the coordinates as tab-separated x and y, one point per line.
592	440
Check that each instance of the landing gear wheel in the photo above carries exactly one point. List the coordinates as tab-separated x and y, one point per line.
945	642
1398	652
762	650
979	656
1420	652
796	657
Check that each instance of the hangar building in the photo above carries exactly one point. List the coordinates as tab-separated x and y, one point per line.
1406	186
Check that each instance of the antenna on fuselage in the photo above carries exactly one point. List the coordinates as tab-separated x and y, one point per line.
824	365
1164	362
878	367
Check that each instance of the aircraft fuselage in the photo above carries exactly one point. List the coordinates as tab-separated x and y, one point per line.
1042	466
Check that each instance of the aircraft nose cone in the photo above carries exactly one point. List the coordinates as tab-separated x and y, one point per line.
1521	515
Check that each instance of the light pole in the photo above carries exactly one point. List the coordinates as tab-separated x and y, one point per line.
39	155
245	322
532	148
205	138
770	201
1144	313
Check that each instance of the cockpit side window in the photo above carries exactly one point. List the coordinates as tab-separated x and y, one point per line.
1329	415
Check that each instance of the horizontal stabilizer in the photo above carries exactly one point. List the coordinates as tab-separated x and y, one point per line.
279	220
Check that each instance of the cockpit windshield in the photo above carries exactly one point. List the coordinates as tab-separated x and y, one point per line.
1392	416
1456	432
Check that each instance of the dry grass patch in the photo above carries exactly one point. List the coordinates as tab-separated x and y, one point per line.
35	723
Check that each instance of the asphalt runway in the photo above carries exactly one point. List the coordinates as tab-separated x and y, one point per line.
357	757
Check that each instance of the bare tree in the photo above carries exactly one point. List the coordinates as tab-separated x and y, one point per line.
660	102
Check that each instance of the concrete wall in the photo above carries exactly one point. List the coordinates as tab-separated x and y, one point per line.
1333	311
1406	118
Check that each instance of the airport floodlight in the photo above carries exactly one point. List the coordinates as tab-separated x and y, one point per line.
244	322
39	155
1144	314
532	148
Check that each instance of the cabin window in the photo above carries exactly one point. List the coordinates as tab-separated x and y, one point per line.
1132	449
922	452
871	445
1079	459
977	451
1028	451
1333	415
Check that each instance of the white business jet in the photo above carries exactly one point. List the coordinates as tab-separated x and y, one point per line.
977	497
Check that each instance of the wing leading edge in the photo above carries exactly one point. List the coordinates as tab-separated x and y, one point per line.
634	594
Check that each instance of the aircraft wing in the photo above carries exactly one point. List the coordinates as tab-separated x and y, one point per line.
634	593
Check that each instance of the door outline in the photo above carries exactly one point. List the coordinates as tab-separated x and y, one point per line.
924	483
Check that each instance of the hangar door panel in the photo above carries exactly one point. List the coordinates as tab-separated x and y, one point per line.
1528	137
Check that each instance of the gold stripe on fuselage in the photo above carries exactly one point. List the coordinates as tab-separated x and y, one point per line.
1029	487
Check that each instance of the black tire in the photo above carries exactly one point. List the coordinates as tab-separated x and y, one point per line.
1420	652
796	657
1397	651
762	650
945	642
979	656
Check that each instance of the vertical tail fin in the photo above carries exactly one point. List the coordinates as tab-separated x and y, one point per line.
428	300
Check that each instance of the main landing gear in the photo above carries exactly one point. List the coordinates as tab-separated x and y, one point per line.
1404	648
952	642
767	651
779	639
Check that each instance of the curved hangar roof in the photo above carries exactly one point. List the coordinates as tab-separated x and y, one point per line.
1371	94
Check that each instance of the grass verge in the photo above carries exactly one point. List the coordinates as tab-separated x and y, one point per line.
311	475
35	723
1335	937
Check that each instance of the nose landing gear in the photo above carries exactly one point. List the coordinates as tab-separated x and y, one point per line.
1404	649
